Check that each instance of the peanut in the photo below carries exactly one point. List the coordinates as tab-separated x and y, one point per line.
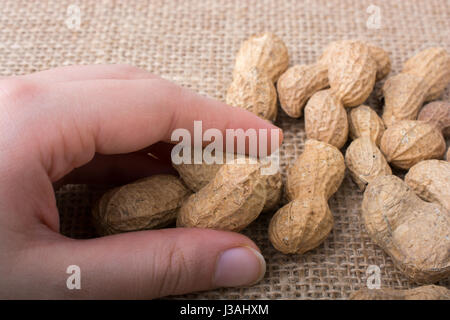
423	78
265	51
415	233
364	121
306	220
432	64
363	158
437	113
352	73
326	119
197	176
408	142
430	180
259	62
347	66
233	199
255	92
430	292
365	161
447	156
298	84
380	56
145	204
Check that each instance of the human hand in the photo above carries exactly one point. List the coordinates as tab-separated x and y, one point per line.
96	124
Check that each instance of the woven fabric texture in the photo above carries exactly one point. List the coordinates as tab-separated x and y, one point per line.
194	44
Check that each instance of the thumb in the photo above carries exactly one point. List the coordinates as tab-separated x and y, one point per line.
150	264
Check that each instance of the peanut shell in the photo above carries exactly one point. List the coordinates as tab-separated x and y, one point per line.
364	121
430	180
145	204
365	161
415	233
298	84
306	221
252	90
352	73
408	142
432	64
404	94
231	201
265	51
438	113
380	56
326	119
430	292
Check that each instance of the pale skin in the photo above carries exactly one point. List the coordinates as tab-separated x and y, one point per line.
96	124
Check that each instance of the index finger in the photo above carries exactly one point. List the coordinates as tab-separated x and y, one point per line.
122	116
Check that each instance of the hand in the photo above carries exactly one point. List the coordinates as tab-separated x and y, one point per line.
90	124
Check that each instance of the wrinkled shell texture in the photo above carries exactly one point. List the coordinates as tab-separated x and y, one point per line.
231	201
430	180
326	119
365	162
437	112
274	189
305	222
403	94
145	204
252	90
298	84
408	142
196	176
432	64
430	292
381	57
415	233
447	155
364	121
352	73
382	61
264	51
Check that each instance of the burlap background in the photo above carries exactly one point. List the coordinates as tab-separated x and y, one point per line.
194	43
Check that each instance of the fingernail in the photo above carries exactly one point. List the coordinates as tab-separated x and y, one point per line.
240	266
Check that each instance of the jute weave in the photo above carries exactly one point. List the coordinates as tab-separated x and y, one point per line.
194	43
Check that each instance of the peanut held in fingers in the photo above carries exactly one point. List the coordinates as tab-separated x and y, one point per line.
148	203
235	197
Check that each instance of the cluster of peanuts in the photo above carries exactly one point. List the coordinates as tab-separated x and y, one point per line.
409	218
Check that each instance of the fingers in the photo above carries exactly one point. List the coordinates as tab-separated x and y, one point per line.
117	169
90	72
144	265
115	116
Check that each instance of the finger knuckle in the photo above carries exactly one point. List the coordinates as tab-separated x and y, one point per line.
17	92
